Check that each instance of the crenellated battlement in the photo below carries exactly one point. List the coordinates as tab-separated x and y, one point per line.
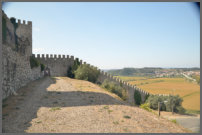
53	56
17	34
21	22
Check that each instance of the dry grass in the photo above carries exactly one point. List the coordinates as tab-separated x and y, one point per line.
192	102
83	85
189	91
130	78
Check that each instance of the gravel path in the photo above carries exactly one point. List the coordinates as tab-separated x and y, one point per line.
192	123
65	105
189	121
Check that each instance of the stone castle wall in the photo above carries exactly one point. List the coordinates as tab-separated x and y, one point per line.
58	64
16	52
129	88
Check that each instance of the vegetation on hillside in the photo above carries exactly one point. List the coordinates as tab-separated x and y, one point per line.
146	107
73	68
137	97
91	74
82	72
197	78
189	91
148	71
134	71
115	88
167	103
88	73
85	72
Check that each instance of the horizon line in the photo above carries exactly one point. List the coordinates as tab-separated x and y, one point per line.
148	67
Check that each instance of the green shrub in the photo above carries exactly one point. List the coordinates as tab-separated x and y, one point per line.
42	67
73	68
180	110
117	90
85	72
54	109
172	101
137	97
124	94
106	84
197	78
114	88
121	84
34	62
146	97
127	117
153	102
69	73
145	106
174	120
76	64
192	111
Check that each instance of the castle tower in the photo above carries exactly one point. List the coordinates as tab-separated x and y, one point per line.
17	34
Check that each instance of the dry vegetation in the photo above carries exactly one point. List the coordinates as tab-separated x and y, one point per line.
189	91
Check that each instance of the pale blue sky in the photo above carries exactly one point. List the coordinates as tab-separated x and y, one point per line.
115	35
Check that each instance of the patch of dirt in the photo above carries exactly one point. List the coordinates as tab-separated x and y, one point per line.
64	105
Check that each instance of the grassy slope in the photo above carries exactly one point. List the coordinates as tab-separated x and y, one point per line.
189	91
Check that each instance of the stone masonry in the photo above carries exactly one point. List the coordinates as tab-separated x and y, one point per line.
17	49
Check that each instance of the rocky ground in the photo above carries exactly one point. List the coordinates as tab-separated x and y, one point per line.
64	105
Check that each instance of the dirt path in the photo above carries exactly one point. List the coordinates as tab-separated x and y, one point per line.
194	125
191	122
66	105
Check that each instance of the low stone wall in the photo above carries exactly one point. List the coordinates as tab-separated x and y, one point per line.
130	88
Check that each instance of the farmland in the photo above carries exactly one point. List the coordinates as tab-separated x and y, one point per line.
189	91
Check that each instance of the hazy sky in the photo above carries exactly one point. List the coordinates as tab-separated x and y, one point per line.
115	35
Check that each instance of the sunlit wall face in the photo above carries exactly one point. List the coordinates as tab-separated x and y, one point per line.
115	35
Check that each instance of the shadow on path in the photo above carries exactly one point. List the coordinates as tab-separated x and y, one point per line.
18	111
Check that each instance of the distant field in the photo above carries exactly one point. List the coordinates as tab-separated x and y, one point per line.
189	91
